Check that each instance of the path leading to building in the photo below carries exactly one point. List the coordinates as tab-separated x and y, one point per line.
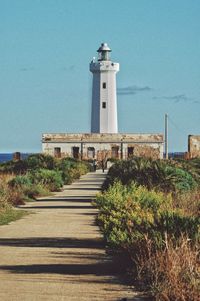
57	252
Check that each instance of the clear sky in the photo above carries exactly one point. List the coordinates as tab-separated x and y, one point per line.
45	83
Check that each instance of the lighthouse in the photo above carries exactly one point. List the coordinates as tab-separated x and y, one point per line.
104	94
103	142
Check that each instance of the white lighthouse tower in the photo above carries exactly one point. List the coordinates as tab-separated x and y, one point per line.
104	96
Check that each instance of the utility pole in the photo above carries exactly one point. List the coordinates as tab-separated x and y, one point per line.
166	136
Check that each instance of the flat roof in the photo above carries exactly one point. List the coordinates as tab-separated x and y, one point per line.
100	138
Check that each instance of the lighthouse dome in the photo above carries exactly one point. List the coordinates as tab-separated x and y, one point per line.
104	47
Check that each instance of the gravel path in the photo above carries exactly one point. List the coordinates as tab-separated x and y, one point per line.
57	252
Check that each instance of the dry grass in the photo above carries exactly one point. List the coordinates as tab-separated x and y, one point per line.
9	196
173	273
188	202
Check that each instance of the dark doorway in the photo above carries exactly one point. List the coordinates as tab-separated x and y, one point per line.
75	152
57	152
130	151
115	152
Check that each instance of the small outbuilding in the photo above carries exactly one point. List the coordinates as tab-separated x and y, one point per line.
99	146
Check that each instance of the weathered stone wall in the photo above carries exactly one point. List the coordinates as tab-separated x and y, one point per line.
148	151
194	146
99	146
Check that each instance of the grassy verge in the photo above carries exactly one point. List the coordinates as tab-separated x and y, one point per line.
10	214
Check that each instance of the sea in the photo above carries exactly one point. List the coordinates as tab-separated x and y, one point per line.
4	157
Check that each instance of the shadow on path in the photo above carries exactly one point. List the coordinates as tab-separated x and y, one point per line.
61	207
52	242
98	269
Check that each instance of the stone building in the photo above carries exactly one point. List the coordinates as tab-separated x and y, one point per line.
194	146
100	146
104	141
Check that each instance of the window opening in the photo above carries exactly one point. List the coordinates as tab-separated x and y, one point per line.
91	152
104	105
115	152
130	151
57	152
75	152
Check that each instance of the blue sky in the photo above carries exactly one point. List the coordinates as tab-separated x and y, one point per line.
45	83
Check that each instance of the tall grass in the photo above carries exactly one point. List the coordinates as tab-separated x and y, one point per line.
171	273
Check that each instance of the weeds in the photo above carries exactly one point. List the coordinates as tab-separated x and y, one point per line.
170	274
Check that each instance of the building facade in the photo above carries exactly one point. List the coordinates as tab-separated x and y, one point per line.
100	146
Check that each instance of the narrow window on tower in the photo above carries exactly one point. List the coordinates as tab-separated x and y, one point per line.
103	104
104	85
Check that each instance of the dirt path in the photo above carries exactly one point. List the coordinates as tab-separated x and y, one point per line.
57	252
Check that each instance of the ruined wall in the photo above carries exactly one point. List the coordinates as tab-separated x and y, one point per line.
194	146
153	151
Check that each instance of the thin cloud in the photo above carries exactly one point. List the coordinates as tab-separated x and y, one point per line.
132	90
180	98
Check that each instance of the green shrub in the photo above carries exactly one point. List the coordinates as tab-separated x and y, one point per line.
128	214
182	180
20	181
159	175
34	161
51	179
175	223
71	169
35	190
37	161
16	167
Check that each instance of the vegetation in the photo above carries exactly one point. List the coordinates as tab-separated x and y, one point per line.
149	214
38	175
10	215
154	174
